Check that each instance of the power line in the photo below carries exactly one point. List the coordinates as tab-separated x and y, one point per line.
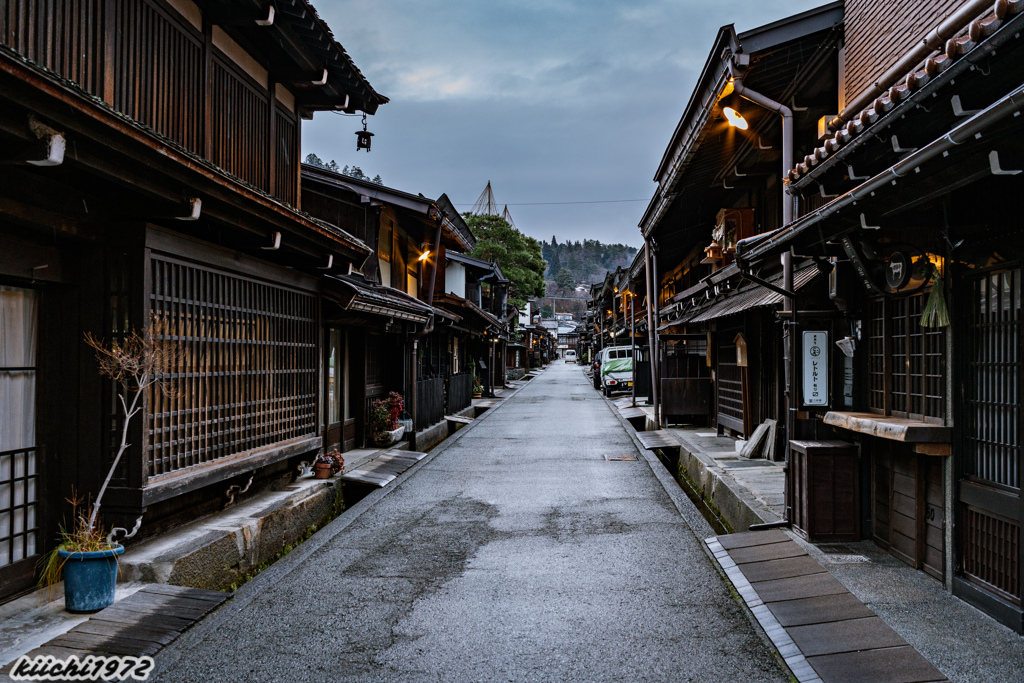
600	201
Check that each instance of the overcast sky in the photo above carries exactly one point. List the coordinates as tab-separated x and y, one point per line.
550	100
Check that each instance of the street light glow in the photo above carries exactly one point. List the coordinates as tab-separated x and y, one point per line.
735	119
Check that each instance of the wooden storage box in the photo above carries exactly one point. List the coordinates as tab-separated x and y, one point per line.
826	501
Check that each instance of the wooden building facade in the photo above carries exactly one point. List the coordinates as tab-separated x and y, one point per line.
909	195
150	180
718	352
410	334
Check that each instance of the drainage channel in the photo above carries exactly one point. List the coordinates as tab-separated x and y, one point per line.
713	519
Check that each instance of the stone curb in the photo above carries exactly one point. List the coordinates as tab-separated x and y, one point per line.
735	504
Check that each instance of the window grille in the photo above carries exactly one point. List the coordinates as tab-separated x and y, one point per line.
240	114
910	357
991	552
730	383
993	412
248	370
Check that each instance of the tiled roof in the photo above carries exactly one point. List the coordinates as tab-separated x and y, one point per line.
378	300
746	297
976	33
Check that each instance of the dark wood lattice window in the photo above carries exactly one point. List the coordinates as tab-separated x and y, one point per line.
240	114
991	552
993	406
730	382
992	425
286	166
248	372
158	67
906	362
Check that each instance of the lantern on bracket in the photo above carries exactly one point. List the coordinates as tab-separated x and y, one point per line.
363	137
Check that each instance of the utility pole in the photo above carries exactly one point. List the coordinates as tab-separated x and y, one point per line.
632	342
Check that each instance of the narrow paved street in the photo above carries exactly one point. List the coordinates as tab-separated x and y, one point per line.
517	552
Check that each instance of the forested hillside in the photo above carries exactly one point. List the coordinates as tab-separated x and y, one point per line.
587	261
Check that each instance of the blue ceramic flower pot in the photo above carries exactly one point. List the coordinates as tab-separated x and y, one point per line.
90	579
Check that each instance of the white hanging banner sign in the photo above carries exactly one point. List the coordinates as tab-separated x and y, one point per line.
815	368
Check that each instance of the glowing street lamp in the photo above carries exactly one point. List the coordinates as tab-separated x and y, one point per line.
734	118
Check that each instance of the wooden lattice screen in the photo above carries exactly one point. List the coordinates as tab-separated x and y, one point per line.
159	73
992	431
993	409
991	552
730	382
239	105
907	362
248	373
286	166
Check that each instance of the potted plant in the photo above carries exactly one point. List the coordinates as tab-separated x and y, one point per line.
86	557
338	461
478	388
384	413
323	466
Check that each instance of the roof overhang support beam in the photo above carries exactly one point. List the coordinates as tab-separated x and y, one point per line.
236	16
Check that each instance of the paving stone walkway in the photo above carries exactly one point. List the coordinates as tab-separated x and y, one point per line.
825	634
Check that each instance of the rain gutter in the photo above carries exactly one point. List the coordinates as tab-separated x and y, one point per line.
931	42
1005	107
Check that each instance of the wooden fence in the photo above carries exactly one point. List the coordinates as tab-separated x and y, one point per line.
429	402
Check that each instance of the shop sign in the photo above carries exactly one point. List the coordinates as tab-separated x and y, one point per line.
815	368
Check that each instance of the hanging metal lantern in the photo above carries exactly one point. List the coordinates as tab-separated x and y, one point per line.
363	137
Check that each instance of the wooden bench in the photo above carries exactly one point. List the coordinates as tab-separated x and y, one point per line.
383	469
663	440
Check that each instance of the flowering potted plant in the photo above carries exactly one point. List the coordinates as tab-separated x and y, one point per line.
384	413
338	461
323	466
86	556
478	388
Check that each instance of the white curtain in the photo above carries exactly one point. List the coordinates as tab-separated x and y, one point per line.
18	332
17	350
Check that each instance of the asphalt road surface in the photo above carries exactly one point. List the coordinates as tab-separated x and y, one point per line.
517	552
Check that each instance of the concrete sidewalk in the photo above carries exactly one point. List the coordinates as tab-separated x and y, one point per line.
916	606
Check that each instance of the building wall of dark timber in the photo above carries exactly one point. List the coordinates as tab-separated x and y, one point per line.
188	82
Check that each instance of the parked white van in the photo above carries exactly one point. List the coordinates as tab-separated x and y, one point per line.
570	356
616	369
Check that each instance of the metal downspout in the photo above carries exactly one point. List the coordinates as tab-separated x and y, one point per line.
788	305
632	343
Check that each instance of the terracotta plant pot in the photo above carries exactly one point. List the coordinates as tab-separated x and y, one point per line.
322	470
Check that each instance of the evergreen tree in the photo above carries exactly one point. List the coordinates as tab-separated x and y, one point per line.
519	256
565	279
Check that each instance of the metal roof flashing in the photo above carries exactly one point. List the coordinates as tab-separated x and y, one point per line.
792	28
